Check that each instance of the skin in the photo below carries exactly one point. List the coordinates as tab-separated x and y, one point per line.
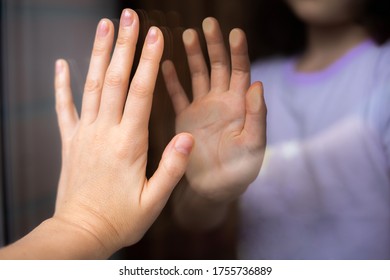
326	12
227	119
332	30
105	202
227	116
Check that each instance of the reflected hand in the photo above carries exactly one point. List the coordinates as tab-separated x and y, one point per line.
227	116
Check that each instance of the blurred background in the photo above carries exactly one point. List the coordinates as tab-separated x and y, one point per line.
34	33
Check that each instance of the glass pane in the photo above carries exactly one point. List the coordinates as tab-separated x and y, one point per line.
35	34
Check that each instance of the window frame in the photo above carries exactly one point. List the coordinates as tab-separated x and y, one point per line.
3	218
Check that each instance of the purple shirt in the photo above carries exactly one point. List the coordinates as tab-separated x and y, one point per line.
324	189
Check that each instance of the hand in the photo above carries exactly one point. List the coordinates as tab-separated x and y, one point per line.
227	116
103	189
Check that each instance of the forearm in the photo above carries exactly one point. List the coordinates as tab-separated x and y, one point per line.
55	239
197	213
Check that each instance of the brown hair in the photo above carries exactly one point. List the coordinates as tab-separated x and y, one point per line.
274	29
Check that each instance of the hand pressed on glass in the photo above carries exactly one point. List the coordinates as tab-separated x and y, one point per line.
226	116
105	201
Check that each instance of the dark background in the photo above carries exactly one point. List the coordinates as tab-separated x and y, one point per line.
34	33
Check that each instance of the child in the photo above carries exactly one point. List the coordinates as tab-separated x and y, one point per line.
104	200
324	187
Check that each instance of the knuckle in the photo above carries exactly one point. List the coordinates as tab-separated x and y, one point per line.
219	64
99	50
123	41
62	106
172	170
241	67
113	79
240	72
199	73
148	57
92	85
138	89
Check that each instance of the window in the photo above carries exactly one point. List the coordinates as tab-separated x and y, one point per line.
33	35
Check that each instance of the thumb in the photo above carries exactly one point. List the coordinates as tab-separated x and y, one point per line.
172	167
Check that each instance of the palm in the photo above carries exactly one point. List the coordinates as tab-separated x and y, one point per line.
225	117
216	124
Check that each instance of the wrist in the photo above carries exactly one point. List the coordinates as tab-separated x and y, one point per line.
56	239
74	241
95	240
196	212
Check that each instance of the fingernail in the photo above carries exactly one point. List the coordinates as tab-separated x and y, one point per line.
59	66
152	36
184	144
188	36
127	18
103	28
207	25
255	98
235	37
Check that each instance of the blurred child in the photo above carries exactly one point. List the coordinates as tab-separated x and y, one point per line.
324	187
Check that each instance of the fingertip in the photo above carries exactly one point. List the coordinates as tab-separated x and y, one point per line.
171	169
236	37
66	112
189	36
127	17
103	28
260	89
169	72
166	66
59	66
255	97
184	143
256	86
154	34
208	24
